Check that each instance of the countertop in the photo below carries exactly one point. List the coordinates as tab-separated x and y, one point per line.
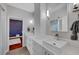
40	40
72	47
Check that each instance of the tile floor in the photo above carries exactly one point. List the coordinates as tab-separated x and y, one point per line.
68	50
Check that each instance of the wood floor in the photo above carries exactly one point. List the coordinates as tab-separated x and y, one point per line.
19	51
15	46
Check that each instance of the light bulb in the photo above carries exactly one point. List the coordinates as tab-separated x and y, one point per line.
48	13
31	21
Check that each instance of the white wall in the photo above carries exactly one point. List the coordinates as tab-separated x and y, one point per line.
37	18
19	14
15	13
40	19
4	28
0	33
43	18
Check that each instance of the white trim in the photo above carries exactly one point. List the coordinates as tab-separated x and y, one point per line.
22	30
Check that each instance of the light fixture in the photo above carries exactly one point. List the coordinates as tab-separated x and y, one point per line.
31	21
48	13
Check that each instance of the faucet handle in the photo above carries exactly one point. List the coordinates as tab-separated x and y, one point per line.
56	35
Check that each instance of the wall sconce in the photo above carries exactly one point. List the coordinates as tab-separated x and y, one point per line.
31	21
48	13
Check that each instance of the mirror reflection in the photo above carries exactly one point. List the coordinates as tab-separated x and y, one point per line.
57	16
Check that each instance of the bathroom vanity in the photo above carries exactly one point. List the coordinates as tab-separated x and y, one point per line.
44	45
55	23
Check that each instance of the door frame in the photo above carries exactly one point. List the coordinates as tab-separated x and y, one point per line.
16	18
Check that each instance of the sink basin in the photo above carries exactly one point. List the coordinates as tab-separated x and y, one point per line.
56	43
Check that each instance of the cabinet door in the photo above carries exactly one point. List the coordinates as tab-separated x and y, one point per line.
29	44
37	49
46	52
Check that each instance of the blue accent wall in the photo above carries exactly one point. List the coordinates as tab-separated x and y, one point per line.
15	27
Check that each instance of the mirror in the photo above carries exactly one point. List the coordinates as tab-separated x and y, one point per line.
57	18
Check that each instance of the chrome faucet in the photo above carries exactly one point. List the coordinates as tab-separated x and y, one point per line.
57	36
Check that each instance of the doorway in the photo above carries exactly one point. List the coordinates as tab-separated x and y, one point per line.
15	34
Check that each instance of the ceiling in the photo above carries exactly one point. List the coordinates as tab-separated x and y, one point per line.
30	6
25	6
56	6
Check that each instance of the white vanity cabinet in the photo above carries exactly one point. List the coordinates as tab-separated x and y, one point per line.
33	46
29	44
37	46
40	50
37	49
46	52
